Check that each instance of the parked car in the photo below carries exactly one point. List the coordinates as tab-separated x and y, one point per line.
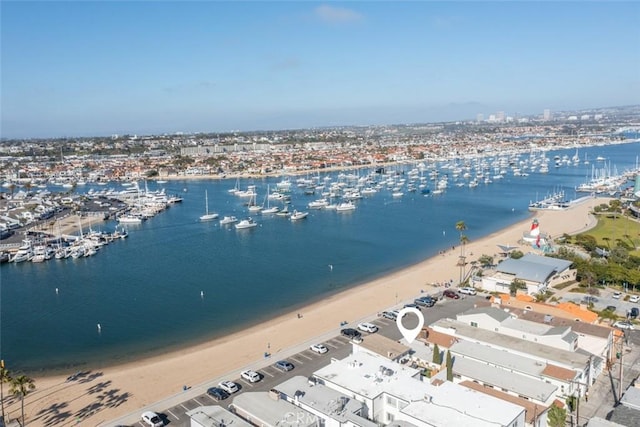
451	294
319	348
412	306
616	295
229	386
611	308
152	419
350	333
425	301
368	327
634	298
217	393
623	324
251	376
283	365
634	312
393	315
468	291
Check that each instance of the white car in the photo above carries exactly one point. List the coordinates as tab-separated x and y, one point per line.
319	348
228	386
617	295
251	376
468	291
623	325
152	419
634	298
368	327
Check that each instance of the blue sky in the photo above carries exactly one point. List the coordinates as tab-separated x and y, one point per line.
98	68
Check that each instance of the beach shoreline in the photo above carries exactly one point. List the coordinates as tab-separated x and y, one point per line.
141	382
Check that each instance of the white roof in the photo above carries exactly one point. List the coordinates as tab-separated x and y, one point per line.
455	406
450	404
266	411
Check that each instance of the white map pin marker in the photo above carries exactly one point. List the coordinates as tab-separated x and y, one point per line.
410	334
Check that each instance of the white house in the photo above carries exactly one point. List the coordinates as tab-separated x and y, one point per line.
537	272
392	392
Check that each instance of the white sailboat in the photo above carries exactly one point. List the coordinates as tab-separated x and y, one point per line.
269	209
207	216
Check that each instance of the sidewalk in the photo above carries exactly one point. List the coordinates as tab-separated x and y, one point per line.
602	395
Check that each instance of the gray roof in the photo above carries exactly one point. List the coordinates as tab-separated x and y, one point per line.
601	422
533	268
323	399
631	398
576	360
503	379
264	410
496	313
624	416
216	416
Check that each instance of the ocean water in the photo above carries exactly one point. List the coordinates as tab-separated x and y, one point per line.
145	291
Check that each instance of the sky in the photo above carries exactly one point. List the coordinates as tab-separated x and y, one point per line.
83	68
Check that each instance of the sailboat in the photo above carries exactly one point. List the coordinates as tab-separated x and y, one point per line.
269	209
207	216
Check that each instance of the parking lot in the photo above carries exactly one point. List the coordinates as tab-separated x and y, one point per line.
305	363
604	300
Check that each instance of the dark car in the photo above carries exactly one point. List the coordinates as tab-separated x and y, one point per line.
412	306
634	312
283	365
451	294
217	393
350	333
611	308
425	301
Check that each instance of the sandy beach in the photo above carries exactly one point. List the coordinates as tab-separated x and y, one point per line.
105	394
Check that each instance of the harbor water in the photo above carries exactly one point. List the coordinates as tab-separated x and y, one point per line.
177	281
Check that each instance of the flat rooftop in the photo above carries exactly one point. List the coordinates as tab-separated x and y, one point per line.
575	360
216	416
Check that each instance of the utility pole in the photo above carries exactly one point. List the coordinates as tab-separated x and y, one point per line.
624	335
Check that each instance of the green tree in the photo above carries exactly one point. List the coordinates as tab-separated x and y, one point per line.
515	285
557	416
516	254
486	260
5	377
437	357
449	367
21	386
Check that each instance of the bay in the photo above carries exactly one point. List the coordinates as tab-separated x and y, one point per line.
177	281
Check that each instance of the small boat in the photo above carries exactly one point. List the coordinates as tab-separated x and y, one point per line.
397	194
318	204
228	220
298	215
284	212
129	219
346	206
207	216
246	223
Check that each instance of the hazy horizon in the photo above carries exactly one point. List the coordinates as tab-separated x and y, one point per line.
102	68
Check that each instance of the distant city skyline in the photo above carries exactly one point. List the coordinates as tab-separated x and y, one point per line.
102	68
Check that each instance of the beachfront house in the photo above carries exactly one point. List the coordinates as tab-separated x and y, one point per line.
394	394
537	272
331	407
267	409
377	344
572	371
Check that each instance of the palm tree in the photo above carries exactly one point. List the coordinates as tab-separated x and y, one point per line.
461	226
21	386
5	377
